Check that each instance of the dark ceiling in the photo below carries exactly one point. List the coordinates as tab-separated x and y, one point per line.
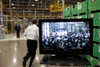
31	5
35	4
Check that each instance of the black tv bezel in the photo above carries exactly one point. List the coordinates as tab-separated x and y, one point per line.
76	52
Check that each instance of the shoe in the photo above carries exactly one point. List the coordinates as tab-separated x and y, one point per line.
24	63
31	65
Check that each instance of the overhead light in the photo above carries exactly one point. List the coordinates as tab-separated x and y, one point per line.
36	0
58	1
12	3
33	5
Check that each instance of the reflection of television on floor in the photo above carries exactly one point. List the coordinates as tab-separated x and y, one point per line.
66	36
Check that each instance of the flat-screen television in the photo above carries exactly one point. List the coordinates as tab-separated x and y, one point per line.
66	36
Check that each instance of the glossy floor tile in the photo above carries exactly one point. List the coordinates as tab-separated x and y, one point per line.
13	51
13	36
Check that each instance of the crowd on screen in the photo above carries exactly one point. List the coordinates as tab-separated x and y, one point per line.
71	40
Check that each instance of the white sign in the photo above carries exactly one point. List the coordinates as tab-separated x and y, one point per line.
66	9
99	16
73	17
92	0
99	33
79	7
91	58
99	63
98	48
92	15
79	17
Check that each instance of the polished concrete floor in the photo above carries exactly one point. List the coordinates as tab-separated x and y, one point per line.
12	52
13	36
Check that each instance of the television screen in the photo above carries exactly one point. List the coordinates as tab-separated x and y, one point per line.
66	36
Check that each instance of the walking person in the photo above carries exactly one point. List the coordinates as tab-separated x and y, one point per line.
31	33
17	28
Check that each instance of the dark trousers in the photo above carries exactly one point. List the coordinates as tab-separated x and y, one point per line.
18	34
31	46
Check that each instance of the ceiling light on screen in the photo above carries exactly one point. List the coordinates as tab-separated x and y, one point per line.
12	3
36	0
33	5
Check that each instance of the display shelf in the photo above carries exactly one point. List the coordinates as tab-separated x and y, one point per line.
82	7
96	37
96	50
94	5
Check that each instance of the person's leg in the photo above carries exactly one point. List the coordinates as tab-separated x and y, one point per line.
18	34
28	50
25	59
34	47
31	60
27	56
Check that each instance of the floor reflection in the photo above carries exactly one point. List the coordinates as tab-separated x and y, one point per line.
13	51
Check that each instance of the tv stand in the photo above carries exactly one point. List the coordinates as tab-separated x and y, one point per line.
66	56
65	60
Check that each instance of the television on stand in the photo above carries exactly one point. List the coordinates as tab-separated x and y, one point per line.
66	36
